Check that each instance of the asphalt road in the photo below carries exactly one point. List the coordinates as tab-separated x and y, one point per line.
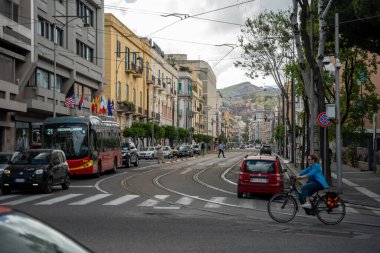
187	206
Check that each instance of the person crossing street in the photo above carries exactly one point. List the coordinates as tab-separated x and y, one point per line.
221	150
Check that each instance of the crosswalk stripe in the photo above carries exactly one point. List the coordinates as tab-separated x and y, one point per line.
215	205
377	212
185	201
24	200
149	202
90	199
121	200
58	199
161	197
247	204
6	197
351	210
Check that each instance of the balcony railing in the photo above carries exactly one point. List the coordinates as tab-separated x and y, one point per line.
125	107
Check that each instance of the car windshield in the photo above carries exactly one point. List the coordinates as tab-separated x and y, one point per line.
195	146
166	149
4	158
70	138
143	149
259	166
184	148
33	157
151	149
125	145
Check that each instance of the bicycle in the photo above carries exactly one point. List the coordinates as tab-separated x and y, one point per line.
282	207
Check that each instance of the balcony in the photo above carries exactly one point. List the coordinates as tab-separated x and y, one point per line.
145	114
149	79
125	107
138	70
8	93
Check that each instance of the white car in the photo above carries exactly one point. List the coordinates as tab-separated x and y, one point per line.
149	153
168	153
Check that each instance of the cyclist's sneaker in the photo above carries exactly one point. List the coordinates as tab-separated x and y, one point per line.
306	205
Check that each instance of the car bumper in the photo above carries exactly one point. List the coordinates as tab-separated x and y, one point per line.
28	183
265	189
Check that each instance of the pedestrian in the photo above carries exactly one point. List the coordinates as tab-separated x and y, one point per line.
221	150
203	147
160	154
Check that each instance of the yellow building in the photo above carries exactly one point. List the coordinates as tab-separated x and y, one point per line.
137	78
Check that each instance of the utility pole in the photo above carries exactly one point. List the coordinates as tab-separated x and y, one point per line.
337	101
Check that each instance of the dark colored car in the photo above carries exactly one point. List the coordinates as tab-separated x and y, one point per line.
260	174
185	151
266	149
196	149
23	233
175	151
5	159
39	169
130	154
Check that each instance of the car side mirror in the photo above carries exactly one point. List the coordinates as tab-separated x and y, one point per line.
284	170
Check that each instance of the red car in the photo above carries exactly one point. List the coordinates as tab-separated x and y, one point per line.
260	174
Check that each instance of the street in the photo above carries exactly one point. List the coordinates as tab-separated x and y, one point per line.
187	206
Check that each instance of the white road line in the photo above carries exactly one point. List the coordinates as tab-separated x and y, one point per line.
58	199
247	204
351	210
161	197
7	197
120	200
24	200
90	199
149	202
185	201
167	207
185	171
377	212
214	202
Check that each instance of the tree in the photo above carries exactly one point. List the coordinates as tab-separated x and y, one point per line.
183	134
171	134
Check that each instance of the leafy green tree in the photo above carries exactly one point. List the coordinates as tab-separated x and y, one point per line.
171	134
183	134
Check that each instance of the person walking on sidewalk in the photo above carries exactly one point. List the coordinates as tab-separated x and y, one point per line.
221	150
315	180
203	147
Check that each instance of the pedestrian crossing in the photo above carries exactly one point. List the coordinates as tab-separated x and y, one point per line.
156	201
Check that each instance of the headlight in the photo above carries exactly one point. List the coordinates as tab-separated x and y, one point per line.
7	172
39	172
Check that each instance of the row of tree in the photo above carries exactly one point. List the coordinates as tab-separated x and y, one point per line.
291	45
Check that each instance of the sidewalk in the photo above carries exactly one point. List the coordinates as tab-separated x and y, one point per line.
361	188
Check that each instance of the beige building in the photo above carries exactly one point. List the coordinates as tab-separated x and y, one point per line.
48	50
137	77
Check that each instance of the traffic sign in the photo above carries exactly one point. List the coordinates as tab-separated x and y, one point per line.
323	120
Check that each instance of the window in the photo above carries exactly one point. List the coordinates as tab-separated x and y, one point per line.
134	96
85	13
82	90
127	59
7	69
84	51
45	29
127	92
118	94
118	48
45	79
9	9
141	98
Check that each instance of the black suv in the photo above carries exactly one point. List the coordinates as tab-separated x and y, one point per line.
129	154
39	169
266	149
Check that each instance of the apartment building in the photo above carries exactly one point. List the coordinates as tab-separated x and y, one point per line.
49	50
137	77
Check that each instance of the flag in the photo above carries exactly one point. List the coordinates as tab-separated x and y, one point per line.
113	107
80	103
109	109
103	105
70	101
93	105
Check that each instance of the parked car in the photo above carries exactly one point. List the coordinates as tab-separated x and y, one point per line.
175	151
257	146
242	146
37	169
266	149
185	151
130	155
196	149
21	232
260	174
142	150
5	158
168	153
150	153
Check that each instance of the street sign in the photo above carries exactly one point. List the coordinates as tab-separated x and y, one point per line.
323	120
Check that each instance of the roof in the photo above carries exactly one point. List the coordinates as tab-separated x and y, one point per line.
262	157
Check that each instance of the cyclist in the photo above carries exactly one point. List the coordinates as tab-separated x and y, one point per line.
316	181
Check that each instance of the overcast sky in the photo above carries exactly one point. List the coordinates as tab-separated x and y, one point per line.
196	36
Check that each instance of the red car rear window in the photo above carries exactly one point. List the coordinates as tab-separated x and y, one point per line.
260	166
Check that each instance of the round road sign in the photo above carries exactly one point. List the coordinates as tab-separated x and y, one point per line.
323	121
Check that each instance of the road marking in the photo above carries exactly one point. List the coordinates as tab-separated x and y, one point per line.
351	210
82	186
24	200
149	202
247	204
7	197
90	199
215	202
377	212
185	171
58	199
167	207
185	201
121	200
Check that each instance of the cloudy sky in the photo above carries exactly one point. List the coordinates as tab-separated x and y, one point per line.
209	25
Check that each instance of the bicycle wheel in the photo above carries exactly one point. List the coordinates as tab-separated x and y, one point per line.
282	207
330	216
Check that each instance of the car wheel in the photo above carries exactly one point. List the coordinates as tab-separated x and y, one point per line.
136	163
240	195
66	184
48	186
128	162
114	166
6	190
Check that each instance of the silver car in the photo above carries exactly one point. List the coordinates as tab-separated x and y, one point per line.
150	153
